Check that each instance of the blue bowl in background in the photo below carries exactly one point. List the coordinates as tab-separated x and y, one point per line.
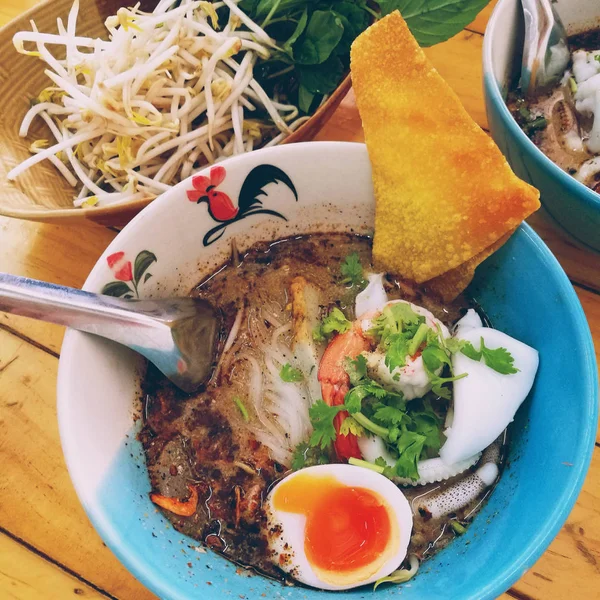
523	290
573	205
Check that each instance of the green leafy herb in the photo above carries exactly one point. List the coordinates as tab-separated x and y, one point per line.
322	78
371	426
289	374
434	21
390	415
395	319
410	446
351	426
243	410
400	575
352	270
321	416
307	456
537	124
334	322
356	369
499	359
323	33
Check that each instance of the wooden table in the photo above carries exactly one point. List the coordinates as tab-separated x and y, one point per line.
48	548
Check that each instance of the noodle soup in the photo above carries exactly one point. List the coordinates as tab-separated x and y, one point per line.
215	457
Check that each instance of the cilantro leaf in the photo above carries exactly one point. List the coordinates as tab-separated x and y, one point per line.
396	318
352	271
438	382
397	351
305	456
356	369
390	415
334	322
321	416
434	357
381	462
350	425
498	359
354	397
470	352
289	374
454	345
428	425
410	445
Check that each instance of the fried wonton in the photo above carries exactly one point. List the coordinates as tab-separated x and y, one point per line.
445	195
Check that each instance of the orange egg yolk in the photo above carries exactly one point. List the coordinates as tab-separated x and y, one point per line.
346	527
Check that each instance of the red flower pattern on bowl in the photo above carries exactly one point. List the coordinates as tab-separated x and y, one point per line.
120	267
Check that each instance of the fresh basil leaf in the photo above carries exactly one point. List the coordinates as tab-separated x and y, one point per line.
323	78
434	21
300	27
323	33
354	19
261	8
305	99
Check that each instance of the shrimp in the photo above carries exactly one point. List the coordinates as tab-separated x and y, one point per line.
335	383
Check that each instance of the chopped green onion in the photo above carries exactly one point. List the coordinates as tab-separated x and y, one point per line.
458	528
243	410
419	338
535	125
366	464
573	84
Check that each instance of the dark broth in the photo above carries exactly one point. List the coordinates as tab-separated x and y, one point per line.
204	441
555	110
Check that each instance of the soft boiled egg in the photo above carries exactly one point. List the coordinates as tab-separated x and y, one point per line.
337	526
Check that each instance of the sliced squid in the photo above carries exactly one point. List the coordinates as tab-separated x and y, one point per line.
373	298
431	470
486	401
459	495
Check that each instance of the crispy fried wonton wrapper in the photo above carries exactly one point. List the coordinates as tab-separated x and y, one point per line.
445	195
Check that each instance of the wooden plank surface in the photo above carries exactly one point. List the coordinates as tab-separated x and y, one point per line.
48	548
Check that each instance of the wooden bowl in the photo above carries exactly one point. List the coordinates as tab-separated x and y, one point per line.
41	193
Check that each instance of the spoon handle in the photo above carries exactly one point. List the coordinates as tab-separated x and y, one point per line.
94	313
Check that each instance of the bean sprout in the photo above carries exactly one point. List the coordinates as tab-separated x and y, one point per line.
167	93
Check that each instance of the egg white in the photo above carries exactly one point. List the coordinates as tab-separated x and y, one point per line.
290	537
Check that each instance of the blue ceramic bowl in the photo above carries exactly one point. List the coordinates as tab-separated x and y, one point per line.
521	287
573	205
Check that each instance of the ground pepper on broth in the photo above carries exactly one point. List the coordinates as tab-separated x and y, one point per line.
205	440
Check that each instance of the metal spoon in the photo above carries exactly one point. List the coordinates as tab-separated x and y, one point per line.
546	53
179	335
